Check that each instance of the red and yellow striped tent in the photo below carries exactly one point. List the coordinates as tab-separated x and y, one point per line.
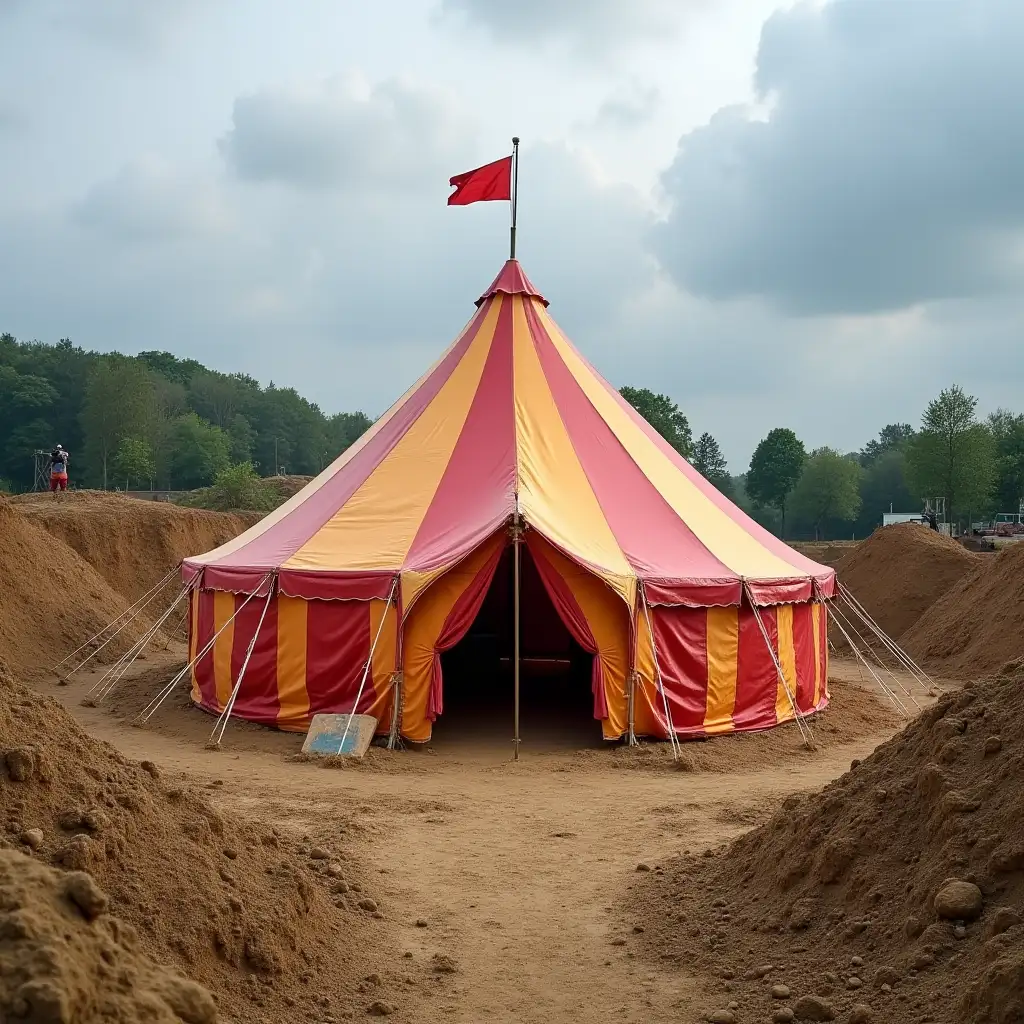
357	585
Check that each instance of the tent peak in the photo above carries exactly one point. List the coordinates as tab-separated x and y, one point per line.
511	281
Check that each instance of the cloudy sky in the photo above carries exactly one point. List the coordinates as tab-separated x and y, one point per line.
803	214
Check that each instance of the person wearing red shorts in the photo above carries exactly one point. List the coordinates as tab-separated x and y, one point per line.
58	470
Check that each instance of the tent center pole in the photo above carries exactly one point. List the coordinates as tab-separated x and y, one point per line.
517	531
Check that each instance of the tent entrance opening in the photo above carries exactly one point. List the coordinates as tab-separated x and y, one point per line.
555	698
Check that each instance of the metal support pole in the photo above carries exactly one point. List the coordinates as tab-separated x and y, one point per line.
517	541
515	194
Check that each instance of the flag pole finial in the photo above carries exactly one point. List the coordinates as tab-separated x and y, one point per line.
515	194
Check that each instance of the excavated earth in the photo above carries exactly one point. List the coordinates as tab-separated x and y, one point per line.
265	919
895	894
979	624
64	958
900	571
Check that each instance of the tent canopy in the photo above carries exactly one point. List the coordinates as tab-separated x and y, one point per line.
512	420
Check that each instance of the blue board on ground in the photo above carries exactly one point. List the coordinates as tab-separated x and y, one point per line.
327	731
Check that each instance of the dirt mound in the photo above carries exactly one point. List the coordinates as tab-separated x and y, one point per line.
826	552
286	486
62	957
51	600
900	886
852	714
979	624
131	543
257	916
901	570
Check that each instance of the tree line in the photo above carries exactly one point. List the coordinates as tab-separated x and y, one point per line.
154	420
976	465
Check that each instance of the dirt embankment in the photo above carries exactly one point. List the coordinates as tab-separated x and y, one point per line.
131	543
260	917
63	958
979	624
898	889
51	599
826	552
900	571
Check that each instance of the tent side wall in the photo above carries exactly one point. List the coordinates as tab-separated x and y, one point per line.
310	655
718	673
308	658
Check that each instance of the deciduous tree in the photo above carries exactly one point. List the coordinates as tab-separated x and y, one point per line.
828	489
953	455
663	414
709	461
774	470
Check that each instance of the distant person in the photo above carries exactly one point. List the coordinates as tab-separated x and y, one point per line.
933	520
59	470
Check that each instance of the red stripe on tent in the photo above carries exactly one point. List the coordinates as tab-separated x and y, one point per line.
335	586
756	676
803	565
203	669
257	699
283	539
337	647
656	542
477	490
681	640
572	615
806	650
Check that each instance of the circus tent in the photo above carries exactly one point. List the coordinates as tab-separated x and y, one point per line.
345	598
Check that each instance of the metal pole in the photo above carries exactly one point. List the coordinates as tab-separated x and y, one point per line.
516	540
515	193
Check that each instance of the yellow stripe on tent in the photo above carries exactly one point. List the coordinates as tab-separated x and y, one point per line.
555	495
787	662
223	612
723	651
375	528
726	539
292	696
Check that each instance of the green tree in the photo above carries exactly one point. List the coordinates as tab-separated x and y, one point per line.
24	399
119	402
198	451
343	430
891	438
242	439
236	488
953	455
774	470
134	460
828	489
663	414
883	489
709	461
1008	433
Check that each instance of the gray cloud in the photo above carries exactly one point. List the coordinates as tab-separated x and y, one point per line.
149	202
887	172
628	109
344	133
12	119
134	24
601	24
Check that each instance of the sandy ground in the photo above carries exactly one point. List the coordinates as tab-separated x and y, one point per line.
517	871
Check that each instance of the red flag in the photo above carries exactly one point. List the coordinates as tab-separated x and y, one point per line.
490	182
